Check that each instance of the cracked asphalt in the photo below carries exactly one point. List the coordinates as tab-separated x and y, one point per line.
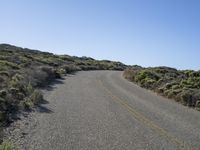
100	110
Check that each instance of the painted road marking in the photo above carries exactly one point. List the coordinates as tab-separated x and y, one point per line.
145	120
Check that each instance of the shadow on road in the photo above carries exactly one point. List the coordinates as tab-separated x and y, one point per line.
52	85
41	107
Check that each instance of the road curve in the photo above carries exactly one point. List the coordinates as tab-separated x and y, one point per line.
100	110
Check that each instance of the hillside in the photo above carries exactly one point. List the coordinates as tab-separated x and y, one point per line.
23	70
181	85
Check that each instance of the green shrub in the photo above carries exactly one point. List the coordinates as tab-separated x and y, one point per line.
49	70
175	87
28	104
183	86
159	90
170	85
61	71
4	73
70	68
187	98
29	89
171	94
191	82
66	58
6	146
5	65
16	81
146	74
166	92
191	73
36	97
148	83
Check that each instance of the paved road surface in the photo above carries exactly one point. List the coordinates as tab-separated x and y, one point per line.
100	110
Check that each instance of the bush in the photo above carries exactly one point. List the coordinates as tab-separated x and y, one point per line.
70	68
5	65
28	104
17	81
186	97
6	146
61	72
29	89
130	73
146	74
40	76
35	76
191	82
4	73
183	86
36	97
159	90
50	71
171	94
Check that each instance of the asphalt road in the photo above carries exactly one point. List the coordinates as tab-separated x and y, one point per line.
100	110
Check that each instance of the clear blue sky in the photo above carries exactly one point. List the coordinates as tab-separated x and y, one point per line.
143	32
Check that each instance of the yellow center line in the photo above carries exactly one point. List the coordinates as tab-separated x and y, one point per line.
145	120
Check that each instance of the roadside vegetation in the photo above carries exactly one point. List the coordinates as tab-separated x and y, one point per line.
6	146
24	71
181	85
